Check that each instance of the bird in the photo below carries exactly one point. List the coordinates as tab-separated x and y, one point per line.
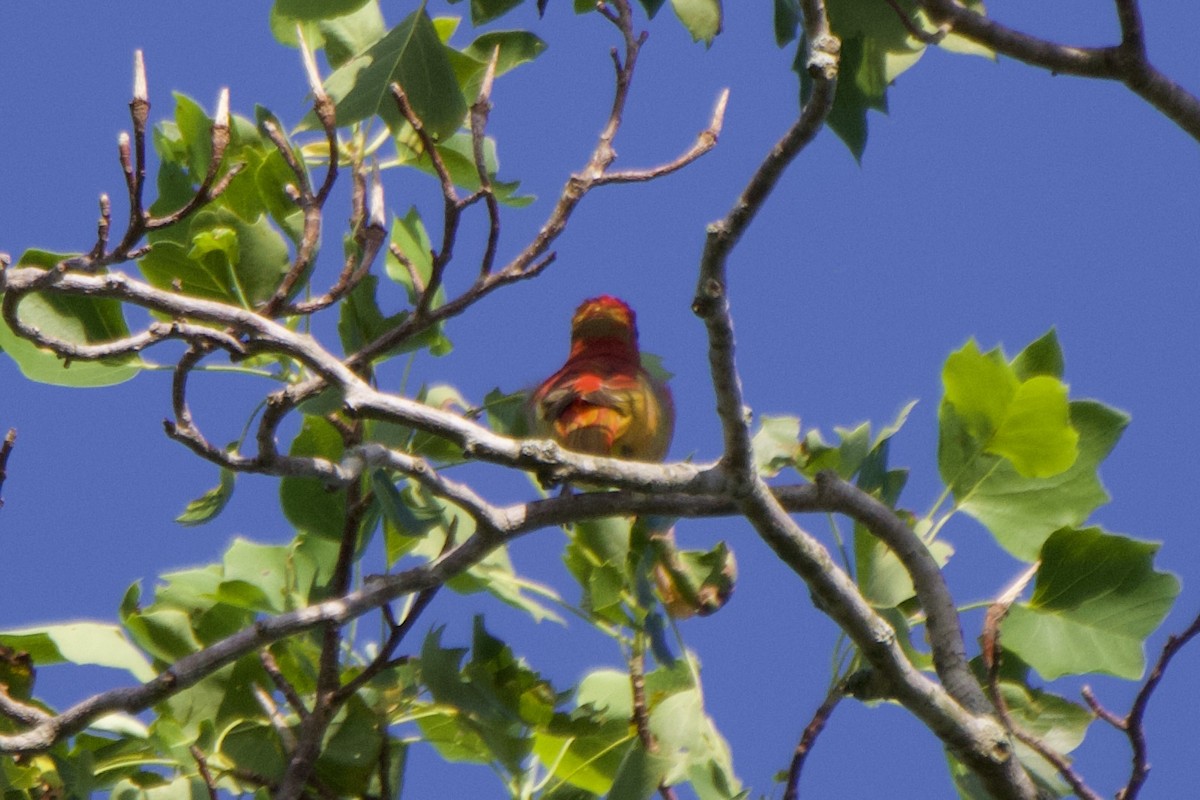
602	401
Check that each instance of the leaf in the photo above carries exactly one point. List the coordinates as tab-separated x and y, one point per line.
702	18
165	633
412	55
1096	599
787	18
508	414
1040	357
516	48
224	258
1025	421
207	506
317	9
96	643
639	775
71	318
487	10
266	568
307	503
1019	511
776	444
1036	433
876	49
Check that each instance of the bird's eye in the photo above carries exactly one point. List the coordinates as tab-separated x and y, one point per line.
626	450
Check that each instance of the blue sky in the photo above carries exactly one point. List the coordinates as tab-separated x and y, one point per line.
994	201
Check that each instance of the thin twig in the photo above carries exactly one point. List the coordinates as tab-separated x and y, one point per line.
480	110
915	30
271	666
1132	723
10	439
809	738
205	774
996	613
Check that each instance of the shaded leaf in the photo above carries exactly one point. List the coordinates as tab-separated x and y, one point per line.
411	54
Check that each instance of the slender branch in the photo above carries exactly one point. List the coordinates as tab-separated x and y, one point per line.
1132	723
915	30
809	738
996	613
205	774
706	140
271	666
480	110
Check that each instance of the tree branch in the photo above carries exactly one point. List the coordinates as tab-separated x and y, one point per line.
1126	62
1132	723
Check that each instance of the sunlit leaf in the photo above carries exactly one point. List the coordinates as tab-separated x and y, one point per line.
1096	599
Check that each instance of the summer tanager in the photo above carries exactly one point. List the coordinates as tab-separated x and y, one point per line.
602	402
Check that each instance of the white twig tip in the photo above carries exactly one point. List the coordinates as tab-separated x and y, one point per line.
310	65
222	118
375	208
140	89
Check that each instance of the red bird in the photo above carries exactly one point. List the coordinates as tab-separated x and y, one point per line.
602	401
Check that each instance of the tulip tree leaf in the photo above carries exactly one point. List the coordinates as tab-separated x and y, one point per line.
412	55
308	504
207	506
70	318
1019	511
96	643
1096	599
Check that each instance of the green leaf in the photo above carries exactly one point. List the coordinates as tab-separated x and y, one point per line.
688	736
1021	511
253	746
486	727
787	20
776	444
1040	357
412	55
350	756
1096	599
459	159
1025	421
266	568
207	506
71	318
483	11
96	643
508	414
165	633
639	774
876	49
516	48
224	258
317	9
412	241
702	18
1036	433
360	320
307	503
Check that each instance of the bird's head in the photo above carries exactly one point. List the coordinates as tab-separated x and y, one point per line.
604	318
